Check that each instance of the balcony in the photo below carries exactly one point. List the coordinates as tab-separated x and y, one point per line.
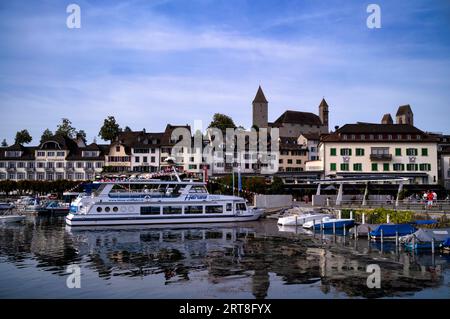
380	157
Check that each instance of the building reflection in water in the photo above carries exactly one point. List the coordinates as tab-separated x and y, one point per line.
223	252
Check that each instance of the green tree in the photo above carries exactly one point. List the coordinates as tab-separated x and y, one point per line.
66	128
46	135
277	186
23	137
222	122
4	143
110	129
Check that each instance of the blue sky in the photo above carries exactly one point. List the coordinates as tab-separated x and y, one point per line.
154	62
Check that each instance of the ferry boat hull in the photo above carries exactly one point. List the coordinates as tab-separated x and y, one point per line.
92	220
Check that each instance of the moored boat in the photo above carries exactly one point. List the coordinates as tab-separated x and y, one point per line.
390	231
6	206
152	201
300	219
424	238
11	218
329	223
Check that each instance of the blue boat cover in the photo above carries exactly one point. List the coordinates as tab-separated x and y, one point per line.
425	222
446	243
389	230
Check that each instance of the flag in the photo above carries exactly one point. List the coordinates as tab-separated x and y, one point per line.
239	180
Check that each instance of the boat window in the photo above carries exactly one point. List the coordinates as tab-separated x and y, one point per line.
172	210
229	206
115	209
107	209
193	210
241	206
197	189
150	210
214	209
99	209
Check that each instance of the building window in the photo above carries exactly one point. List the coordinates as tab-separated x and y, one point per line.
359	152
424	151
153	159
172	210
213	209
11	176
398	152
40	176
59	165
117	148
374	167
20	164
399	167
41	154
50	154
425	167
280	161
192	166
79	164
346	152
89	165
59	176
60	154
345	167
79	176
411	152
50	165
136	159
357	167
386	167
299	162
20	176
99	165
333	152
411	167
289	161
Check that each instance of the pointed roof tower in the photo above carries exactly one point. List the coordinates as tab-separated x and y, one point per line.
323	103
260	98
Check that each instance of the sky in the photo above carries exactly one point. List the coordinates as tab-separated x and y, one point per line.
153	62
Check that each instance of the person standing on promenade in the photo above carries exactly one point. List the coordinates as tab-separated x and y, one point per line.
430	200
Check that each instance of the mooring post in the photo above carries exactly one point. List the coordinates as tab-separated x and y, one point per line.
345	231
363	218
396	238
368	233
432	245
387	218
296	220
356	232
381	238
414	243
334	228
314	225
351	214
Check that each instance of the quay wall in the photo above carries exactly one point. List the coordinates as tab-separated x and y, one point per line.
273	201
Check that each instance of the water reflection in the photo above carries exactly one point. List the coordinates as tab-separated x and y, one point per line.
258	253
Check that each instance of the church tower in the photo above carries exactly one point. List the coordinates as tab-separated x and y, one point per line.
260	109
323	113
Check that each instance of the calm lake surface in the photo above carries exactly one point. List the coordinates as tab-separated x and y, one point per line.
245	260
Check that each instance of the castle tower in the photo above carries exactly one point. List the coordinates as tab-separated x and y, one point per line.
260	109
323	113
387	119
405	115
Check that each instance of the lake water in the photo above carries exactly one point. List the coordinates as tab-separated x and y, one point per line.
245	260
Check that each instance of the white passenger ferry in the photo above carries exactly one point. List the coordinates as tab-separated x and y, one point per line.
152	201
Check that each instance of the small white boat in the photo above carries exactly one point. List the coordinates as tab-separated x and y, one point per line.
300	219
329	223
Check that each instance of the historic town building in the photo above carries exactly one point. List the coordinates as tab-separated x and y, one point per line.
56	158
365	149
290	123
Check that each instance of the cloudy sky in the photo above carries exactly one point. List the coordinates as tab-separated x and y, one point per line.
154	62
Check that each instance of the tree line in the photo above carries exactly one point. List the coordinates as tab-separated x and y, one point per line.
108	132
22	187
